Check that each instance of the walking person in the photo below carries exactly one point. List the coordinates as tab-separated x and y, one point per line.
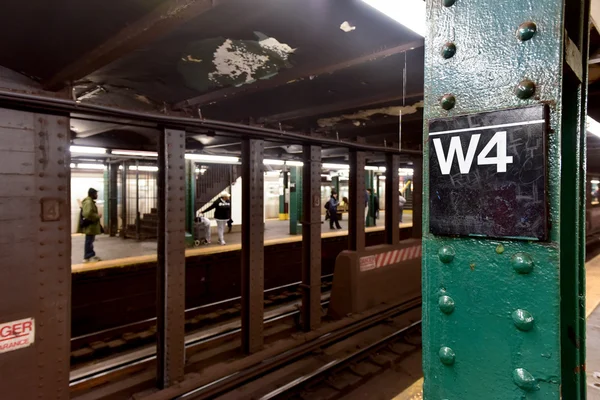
222	207
331	206
401	203
89	224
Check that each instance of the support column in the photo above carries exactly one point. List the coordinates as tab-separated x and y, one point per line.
113	214
392	209
356	214
137	200
171	258
370	217
295	198
190	203
311	238
417	198
123	199
252	245
35	254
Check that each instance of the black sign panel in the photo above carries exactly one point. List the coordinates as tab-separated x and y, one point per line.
487	174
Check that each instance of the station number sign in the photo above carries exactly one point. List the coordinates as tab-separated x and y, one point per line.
487	174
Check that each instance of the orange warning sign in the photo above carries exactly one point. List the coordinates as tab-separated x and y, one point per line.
17	334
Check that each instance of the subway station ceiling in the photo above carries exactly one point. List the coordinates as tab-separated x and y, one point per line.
337	68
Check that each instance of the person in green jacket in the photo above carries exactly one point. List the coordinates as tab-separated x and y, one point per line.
89	224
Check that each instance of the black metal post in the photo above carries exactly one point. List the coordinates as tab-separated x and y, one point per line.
171	258
311	238
356	214
252	245
392	207
137	200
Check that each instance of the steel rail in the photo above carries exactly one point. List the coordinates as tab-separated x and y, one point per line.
148	354
338	362
222	385
192	309
36	102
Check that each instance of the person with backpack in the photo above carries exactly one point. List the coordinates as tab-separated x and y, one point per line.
89	224
401	203
331	207
222	207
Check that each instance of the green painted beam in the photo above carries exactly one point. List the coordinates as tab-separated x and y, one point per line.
479	295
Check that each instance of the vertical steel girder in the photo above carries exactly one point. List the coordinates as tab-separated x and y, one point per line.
311	238
113	217
171	258
253	259
137	200
35	252
417	199
392	210
356	214
123	199
477	291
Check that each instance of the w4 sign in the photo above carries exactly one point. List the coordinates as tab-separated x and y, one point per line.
487	174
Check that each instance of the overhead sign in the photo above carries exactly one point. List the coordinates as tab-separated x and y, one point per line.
16	335
487	174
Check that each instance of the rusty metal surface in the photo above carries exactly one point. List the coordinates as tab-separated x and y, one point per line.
367	278
35	252
253	258
357	190
392	212
311	238
171	258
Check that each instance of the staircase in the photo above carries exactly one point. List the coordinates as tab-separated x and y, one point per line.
148	226
215	179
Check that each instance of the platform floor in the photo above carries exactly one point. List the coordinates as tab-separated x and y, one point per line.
113	248
592	312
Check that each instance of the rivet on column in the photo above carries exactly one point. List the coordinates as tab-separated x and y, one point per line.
523	320
446	254
526	30
447	355
448	50
523	379
448	102
448	3
446	304
525	89
522	263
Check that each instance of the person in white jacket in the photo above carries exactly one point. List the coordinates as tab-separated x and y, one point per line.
401	203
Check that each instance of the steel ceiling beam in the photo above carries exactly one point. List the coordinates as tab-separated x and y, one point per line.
339	106
294	74
167	16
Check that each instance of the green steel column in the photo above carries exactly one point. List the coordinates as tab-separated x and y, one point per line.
504	319
370	220
335	182
190	195
295	200
106	199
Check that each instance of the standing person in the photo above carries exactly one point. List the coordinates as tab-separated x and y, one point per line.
375	206
331	207
89	224
367	198
222	208
401	203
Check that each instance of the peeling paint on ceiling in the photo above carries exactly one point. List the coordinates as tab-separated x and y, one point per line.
220	62
346	27
367	114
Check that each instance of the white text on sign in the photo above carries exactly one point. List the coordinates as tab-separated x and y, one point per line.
17	334
501	160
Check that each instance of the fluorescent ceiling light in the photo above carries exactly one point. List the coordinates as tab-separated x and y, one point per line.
406	171
370	168
382	169
294	163
382	177
273	162
135	153
595	181
91	166
87	150
149	168
410	13
210	158
336	166
592	126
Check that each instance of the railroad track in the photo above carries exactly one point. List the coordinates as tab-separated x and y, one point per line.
92	348
246	383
